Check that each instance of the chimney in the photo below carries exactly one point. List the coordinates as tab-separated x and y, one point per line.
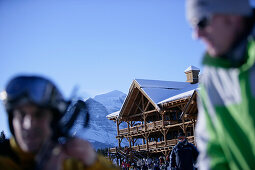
192	74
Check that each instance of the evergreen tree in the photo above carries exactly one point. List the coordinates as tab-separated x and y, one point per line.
2	137
103	151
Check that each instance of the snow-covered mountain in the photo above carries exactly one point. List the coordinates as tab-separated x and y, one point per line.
101	131
112	100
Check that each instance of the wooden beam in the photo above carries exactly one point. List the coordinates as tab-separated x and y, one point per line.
165	137
118	128
163	118
136	104
136	133
145	123
129	141
147	105
188	104
143	103
175	102
152	102
132	123
147	143
139	106
184	129
134	100
119	140
179	124
140	114
181	106
128	126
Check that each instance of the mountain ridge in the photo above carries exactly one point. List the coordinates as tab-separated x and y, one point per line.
102	132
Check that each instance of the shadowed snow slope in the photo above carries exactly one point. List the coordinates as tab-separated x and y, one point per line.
101	131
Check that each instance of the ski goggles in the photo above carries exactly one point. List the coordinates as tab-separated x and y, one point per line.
34	89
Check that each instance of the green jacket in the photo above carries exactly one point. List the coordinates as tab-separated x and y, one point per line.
226	123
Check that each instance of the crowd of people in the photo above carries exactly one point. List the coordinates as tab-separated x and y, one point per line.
156	163
183	156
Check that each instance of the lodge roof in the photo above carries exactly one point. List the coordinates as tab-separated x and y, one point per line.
162	91
157	92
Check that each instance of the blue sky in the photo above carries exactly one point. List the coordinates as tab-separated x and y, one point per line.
96	45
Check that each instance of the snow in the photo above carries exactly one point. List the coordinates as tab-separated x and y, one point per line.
191	68
114	114
159	91
179	96
101	131
112	100
160	84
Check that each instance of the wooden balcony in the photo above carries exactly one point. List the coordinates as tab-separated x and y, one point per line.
155	146
150	127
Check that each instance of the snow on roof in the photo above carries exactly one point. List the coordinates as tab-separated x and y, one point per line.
114	114
179	96
160	91
191	68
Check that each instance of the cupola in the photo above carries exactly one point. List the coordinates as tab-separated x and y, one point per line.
192	73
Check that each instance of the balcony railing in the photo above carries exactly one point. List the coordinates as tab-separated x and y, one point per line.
157	146
153	126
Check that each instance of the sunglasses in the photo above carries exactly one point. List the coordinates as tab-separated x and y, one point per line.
202	23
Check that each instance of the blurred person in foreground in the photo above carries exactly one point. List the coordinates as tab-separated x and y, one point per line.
226	122
184	154
34	106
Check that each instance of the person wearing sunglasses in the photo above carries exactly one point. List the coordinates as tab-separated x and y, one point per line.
226	121
184	154
35	106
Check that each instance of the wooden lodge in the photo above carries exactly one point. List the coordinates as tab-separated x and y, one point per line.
154	112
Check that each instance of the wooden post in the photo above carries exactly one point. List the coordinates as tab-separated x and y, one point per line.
128	127
118	128
129	140
165	137
143	103
184	129
194	132
163	119
119	143
193	126
145	125
147	142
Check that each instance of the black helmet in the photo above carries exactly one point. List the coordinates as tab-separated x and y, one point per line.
32	89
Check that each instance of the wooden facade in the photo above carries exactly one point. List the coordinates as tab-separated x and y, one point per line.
152	127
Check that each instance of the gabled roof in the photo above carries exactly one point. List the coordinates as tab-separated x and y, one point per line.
155	92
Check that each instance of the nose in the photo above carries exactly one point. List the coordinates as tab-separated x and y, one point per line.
27	122
197	33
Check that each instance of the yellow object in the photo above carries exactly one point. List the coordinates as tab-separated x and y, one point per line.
26	161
